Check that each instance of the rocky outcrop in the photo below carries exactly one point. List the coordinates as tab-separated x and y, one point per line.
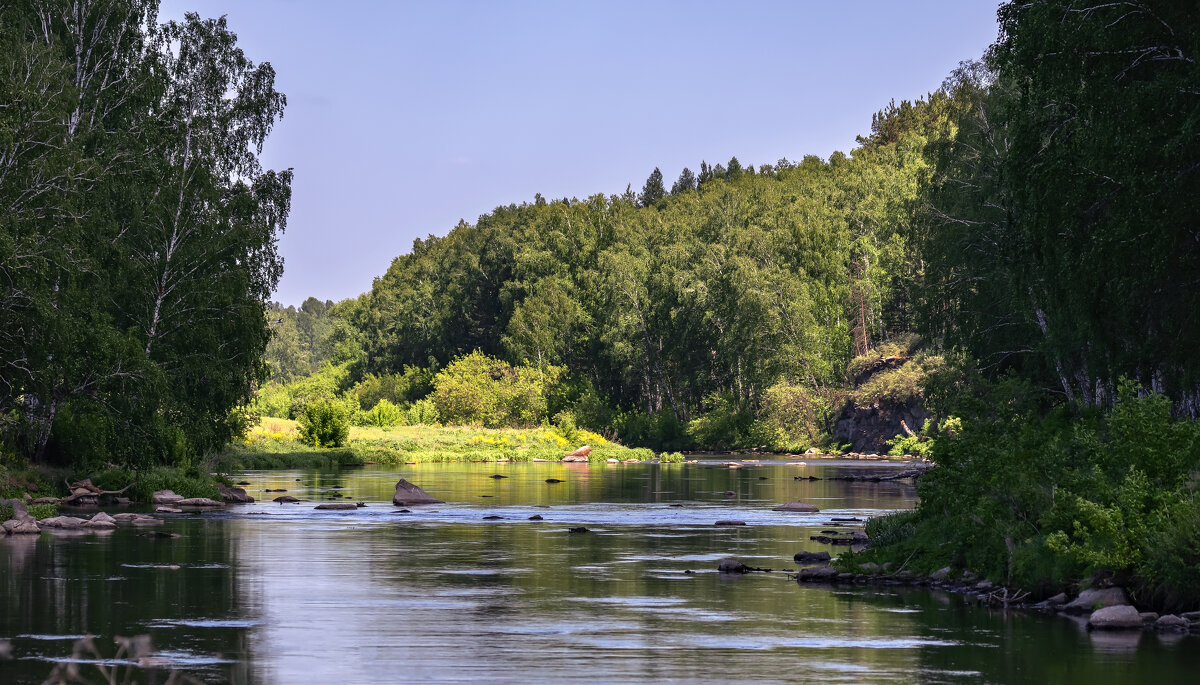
1096	598
868	428
232	495
408	494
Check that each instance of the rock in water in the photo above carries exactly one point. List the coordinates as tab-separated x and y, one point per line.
498	476
1119	617
409	494
165	497
811	557
553	480
729	522
798	507
535	517
580	454
580	529
337	505
731	566
198	502
232	495
1096	598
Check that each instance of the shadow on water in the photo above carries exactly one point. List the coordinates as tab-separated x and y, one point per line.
277	593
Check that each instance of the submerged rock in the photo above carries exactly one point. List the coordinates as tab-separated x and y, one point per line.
492	517
580	529
198	502
553	480
729	522
337	506
817	574
811	557
408	494
167	510
798	507
1097	598
732	566
497	476
285	499
535	517
1171	623
1118	617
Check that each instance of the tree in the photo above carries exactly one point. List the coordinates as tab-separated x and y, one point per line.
686	181
653	191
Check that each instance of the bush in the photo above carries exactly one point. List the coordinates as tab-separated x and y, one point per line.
725	424
484	391
398	388
900	385
792	418
324	423
384	414
423	413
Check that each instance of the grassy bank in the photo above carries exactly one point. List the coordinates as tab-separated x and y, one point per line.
276	443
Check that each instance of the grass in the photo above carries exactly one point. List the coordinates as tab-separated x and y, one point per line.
275	443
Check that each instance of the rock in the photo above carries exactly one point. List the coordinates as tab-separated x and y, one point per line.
1096	598
869	567
798	507
276	490
1117	617
1191	615
817	574
535	517
232	495
941	573
730	493
101	517
729	522
984	585
492	517
1171	623
887	567
1148	616
553	480
45	500
198	502
167	510
100	525
731	566
812	450
1057	600
578	455
244	482
337	506
580	529
408	494
611	460
360	505
62	522
497	476
22	526
811	557
165	497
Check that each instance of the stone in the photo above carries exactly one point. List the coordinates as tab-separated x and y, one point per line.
198	502
232	495
798	507
984	585
941	573
553	480
869	567
580	529
579	455
493	517
408	494
45	500
732	566
22	526
167	510
285	499
337	506
1149	616
244	482
101	517
95	524
729	522
1096	598
611	460
1171	623
165	497
497	476
1117	617
1191	615
1057	600
811	557
817	573
535	517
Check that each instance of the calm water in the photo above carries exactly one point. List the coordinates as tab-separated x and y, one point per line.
275	593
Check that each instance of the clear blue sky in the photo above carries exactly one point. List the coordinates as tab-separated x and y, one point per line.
404	117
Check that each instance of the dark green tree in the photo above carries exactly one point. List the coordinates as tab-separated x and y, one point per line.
653	190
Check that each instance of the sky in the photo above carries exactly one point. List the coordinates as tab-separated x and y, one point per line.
405	117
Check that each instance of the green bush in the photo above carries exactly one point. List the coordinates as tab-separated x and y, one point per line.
900	385
272	400
325	423
725	424
384	414
398	388
671	457
480	390
41	511
423	413
792	418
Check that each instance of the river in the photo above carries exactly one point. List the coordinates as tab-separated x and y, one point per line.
270	593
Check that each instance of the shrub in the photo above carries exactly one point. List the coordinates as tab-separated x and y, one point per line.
397	388
324	423
725	424
900	385
423	413
384	414
792	418
481	390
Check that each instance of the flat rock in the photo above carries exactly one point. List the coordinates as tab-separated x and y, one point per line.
337	506
817	573
941	573
45	500
1057	600
798	507
1172	623
100	525
1118	617
732	566
1097	598
165	497
729	522
811	557
62	522
408	494
198	502
285	499
23	526
167	510
232	495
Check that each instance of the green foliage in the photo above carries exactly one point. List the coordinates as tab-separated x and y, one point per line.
39	511
423	413
724	424
189	482
480	390
324	423
671	457
792	418
919	445
901	385
384	414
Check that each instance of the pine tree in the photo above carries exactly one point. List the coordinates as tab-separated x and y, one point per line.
687	181
654	190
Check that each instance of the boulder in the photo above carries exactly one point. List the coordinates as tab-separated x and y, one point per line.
165	497
100	524
580	454
1149	617
22	526
1096	598
1171	623
232	495
45	500
337	505
729	522
285	499
62	522
811	557
941	573
101	517
162	509
408	494
535	517
198	502
869	567
817	573
798	507
1118	617
1057	600
732	566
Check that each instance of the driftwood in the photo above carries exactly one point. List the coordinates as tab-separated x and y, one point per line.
84	490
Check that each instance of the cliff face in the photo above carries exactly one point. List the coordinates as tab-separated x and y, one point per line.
868	427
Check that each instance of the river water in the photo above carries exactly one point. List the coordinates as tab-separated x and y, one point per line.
270	593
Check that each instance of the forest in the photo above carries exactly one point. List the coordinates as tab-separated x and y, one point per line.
1023	243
